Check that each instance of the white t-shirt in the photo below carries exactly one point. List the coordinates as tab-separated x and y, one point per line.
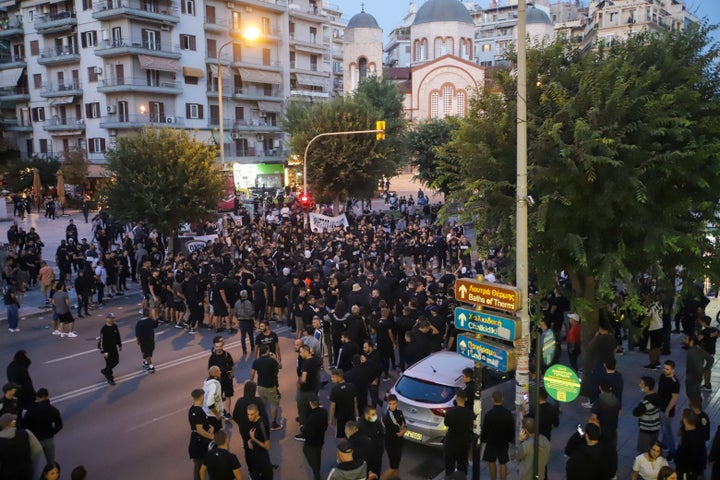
648	470
213	396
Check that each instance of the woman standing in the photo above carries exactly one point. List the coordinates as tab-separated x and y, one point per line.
647	465
13	306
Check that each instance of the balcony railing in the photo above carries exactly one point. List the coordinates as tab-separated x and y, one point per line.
9	91
61	87
154	46
137	82
59	51
64	122
162	8
56	21
136	120
10	58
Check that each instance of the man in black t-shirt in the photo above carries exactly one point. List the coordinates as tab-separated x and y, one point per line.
219	463
269	338
343	401
307	384
668	394
267	369
223	360
201	432
259	446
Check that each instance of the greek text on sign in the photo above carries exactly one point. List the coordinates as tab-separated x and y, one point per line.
487	352
493	295
562	383
492	325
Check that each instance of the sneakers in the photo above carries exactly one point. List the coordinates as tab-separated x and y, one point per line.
275	426
300	437
56	332
72	334
145	365
151	368
177	325
226	414
192	331
63	334
587	404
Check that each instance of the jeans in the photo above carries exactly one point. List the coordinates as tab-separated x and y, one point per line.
668	436
246	330
82	301
313	457
13	315
48	447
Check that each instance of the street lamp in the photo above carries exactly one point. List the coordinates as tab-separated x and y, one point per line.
250	34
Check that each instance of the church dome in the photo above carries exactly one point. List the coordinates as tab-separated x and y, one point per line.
535	16
442	11
362	20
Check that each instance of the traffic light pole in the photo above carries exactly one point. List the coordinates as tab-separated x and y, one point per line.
326	134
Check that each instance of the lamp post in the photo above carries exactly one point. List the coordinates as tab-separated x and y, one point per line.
250	34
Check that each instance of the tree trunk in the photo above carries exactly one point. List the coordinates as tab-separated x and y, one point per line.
336	206
585	287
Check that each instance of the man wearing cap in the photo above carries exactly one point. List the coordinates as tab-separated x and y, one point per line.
110	345
9	401
18	449
347	467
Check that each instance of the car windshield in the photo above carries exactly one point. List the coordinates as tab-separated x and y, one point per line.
422	391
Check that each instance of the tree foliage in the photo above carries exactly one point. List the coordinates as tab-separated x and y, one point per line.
19	174
623	159
164	177
75	167
344	166
432	153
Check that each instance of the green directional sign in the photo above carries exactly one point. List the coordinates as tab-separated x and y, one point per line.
562	383
497	326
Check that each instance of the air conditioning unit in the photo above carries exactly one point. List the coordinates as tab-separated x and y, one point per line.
230	5
98	71
236	136
170	120
165	28
80	121
111	109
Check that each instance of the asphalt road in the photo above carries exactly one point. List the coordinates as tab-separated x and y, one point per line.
138	428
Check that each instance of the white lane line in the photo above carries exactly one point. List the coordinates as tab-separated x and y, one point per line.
130	376
79	354
156	419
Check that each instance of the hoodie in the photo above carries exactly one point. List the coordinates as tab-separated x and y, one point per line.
350	470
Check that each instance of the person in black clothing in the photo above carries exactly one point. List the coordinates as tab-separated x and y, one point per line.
586	455
549	418
224	361
145	336
200	432
361	443
45	422
458	437
18	449
267	368
360	375
370	426
691	455
240	416
714	455
467	379
498	433
18	373
308	383
258	445
219	463
395	428
343	401
110	345
314	433
346	352
83	289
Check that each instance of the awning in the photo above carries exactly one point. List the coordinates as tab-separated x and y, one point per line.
162	64
259	76
97	171
10	77
310	80
214	71
273	107
193	72
61	100
228	136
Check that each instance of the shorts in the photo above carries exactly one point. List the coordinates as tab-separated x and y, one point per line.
220	309
269	395
656	338
497	453
153	303
147	349
227	387
179	306
66	317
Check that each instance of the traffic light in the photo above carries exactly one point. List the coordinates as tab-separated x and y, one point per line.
307	204
380	126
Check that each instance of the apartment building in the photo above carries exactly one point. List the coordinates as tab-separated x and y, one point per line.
78	74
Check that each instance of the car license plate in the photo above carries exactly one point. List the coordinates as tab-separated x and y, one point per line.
413	436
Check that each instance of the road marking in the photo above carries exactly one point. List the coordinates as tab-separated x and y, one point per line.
79	354
131	376
156	419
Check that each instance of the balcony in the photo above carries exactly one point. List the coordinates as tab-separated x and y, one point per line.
216	25
308	43
161	13
16	125
8	60
51	90
11	27
55	22
14	94
125	46
139	85
135	121
59	55
64	125
269	5
307	12
249	92
258	154
299	92
256	125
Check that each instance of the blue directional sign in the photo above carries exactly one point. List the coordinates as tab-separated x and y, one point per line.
496	326
487	352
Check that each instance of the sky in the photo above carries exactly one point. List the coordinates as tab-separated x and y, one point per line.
389	13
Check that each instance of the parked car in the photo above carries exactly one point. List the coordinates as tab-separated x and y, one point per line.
426	390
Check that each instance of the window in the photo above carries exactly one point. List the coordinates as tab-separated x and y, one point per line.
187	42
313	35
88	39
87	5
191	81
240	113
460	104
266	56
434	102
211	48
313	63
92	110
267	89
236	21
153	78
237	52
291	28
92	74
188	7
209	14
362	66
194	110
265	25
486	47
43	145
37	80
35	48
96	145
151	39
38	114
447	94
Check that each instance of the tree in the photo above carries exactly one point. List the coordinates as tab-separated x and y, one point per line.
341	167
75	167
19	173
165	177
436	159
623	161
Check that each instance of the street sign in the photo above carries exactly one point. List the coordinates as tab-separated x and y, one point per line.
489	353
486	294
547	343
497	326
562	383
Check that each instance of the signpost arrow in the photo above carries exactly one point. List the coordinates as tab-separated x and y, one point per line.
497	326
487	294
462	290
